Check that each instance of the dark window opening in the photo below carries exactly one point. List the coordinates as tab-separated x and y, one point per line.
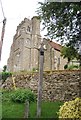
28	29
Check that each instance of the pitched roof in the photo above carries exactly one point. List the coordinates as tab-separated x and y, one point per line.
56	46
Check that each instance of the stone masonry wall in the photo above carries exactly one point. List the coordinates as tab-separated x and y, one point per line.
62	85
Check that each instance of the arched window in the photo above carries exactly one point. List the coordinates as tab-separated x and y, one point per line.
58	60
28	29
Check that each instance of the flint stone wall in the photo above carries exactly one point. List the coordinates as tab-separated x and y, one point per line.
63	85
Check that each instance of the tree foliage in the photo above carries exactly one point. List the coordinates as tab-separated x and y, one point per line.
69	52
4	68
63	22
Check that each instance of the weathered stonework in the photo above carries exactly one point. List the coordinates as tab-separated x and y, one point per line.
24	54
62	85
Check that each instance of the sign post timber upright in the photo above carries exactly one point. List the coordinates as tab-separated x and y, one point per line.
41	64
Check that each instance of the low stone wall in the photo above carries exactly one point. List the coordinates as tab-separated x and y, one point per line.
62	85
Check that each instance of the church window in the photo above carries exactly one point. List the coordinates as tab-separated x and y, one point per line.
55	59
28	29
58	60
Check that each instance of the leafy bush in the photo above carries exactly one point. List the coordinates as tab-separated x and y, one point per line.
71	109
66	66
4	68
21	95
71	67
5	75
35	69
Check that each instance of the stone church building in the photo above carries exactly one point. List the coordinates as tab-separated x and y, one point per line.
24	53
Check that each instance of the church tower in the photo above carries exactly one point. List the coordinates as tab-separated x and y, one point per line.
24	50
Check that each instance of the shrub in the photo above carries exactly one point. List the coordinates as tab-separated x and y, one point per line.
72	67
21	95
66	66
5	75
71	109
35	69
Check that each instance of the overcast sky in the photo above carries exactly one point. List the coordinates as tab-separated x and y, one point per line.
15	11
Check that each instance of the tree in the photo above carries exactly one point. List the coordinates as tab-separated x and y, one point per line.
68	52
63	21
4	68
60	19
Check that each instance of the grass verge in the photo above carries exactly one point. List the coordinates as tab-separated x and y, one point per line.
17	110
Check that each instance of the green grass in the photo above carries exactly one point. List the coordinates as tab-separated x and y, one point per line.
49	109
17	110
12	110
